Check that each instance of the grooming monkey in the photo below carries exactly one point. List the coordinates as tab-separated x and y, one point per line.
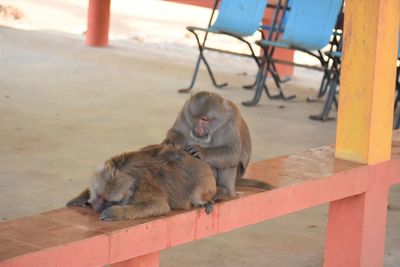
211	128
149	182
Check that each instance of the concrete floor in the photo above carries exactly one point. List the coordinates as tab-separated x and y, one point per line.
66	107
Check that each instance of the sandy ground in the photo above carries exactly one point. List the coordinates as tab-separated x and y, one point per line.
65	107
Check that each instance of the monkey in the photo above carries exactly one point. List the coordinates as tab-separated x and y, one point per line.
212	129
149	182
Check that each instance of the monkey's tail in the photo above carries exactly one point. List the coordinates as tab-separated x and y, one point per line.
254	183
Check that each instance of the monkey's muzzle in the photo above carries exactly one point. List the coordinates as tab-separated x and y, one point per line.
204	139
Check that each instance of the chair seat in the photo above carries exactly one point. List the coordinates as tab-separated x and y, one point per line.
272	43
210	29
194	28
334	54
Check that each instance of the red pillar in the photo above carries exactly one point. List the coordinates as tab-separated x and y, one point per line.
149	260
98	22
356	227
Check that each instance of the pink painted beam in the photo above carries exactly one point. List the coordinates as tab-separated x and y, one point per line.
75	236
149	260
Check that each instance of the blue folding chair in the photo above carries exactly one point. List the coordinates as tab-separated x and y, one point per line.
308	28
333	73
236	18
397	99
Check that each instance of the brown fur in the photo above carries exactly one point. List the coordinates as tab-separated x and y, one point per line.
211	128
148	182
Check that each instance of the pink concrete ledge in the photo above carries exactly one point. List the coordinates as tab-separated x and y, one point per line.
75	236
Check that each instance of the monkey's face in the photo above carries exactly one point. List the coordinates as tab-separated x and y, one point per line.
206	114
109	187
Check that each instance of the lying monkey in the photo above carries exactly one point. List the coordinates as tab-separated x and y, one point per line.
149	182
211	128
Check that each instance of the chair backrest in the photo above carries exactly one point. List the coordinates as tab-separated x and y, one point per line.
310	23
240	17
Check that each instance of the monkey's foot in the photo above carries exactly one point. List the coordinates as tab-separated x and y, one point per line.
209	207
111	214
223	194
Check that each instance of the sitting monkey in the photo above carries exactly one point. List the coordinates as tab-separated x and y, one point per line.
149	182
211	128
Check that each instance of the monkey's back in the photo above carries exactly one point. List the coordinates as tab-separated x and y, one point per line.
171	173
181	175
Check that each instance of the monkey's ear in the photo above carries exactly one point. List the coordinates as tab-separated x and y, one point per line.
225	103
100	167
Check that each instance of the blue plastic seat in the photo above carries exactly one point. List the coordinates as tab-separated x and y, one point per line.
239	17
309	25
236	18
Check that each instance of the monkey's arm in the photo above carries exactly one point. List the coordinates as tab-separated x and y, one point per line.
154	206
220	157
174	138
81	200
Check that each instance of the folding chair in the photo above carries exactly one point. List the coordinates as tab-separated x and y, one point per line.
334	44
309	27
236	18
397	98
334	79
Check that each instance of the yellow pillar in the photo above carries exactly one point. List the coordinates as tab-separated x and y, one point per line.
365	116
356	225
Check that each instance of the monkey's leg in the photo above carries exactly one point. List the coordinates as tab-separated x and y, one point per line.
81	200
226	184
154	206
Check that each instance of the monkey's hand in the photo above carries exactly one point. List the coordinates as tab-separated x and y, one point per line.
196	151
77	202
113	213
171	144
81	201
174	139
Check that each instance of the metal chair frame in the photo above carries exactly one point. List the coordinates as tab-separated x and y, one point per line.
202	46
332	81
267	63
397	98
267	59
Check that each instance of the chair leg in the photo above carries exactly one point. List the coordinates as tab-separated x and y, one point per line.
259	84
397	101
326	79
274	72
278	85
275	76
211	74
330	99
196	70
256	59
